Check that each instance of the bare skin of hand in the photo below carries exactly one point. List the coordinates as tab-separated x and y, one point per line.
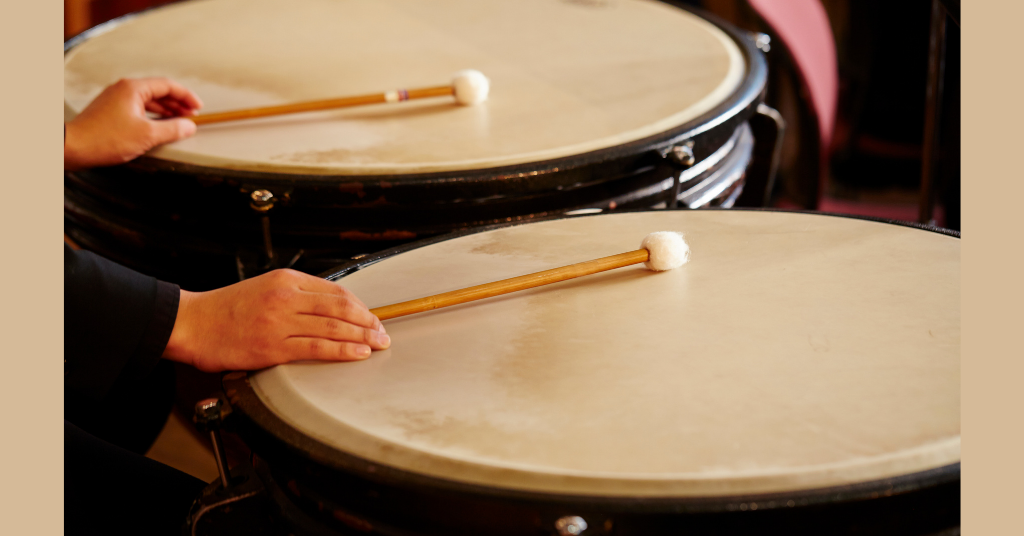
114	128
278	317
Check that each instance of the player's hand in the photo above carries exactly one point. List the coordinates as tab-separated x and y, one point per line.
114	128
275	318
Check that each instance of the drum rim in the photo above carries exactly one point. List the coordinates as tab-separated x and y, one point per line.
305	450
270	427
275	432
741	103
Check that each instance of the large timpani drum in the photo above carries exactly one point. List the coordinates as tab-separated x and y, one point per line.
800	375
595	105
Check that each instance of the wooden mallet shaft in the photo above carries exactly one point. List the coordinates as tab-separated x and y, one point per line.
514	284
327	104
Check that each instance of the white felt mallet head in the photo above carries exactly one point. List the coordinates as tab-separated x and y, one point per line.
667	250
471	87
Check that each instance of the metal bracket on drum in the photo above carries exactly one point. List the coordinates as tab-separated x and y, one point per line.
679	157
262	201
718	179
234	504
208	419
768	128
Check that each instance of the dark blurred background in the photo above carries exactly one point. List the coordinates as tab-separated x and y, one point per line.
869	158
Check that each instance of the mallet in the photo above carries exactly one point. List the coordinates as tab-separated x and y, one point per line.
659	252
468	87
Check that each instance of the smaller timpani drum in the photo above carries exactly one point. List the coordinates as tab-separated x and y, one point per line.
800	375
595	105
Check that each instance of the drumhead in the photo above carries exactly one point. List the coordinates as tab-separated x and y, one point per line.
793	352
568	77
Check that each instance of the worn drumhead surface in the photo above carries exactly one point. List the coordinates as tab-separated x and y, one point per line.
567	77
792	352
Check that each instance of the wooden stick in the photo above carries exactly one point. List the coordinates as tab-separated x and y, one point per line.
514	284
328	104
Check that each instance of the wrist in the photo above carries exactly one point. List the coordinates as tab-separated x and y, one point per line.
181	345
72	155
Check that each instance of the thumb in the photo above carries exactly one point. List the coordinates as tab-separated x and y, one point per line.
170	130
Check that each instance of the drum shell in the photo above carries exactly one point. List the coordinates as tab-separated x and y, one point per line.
343	491
167	219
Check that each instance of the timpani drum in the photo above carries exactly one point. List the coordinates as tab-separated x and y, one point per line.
800	375
595	105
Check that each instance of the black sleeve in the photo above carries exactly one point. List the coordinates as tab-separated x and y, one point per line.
116	322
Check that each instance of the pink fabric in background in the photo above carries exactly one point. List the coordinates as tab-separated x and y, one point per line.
804	28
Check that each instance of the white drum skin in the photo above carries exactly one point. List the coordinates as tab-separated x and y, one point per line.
792	352
586	100
559	85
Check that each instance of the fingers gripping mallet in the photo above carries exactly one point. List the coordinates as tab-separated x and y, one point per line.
469	87
659	251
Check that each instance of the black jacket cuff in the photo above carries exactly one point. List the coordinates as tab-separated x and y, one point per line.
116	323
154	339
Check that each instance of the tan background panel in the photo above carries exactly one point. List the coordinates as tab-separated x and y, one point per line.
793	351
567	77
992	286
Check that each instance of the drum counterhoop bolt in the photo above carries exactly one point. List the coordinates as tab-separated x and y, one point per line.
262	200
208	419
570	525
762	41
683	154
